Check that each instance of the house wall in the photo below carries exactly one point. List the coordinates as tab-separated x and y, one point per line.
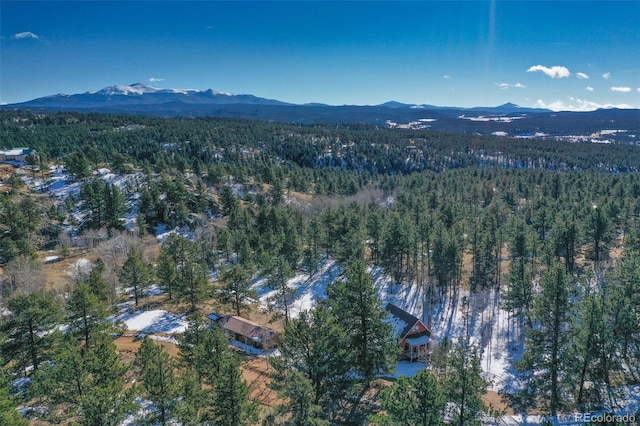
421	328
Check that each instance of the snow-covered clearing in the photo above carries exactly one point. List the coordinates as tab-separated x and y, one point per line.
307	289
154	321
494	330
497	337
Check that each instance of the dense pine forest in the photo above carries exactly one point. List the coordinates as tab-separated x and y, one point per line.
548	230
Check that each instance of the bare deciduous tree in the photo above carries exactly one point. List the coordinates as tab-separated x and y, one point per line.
23	275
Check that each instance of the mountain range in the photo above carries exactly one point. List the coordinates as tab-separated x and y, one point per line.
505	120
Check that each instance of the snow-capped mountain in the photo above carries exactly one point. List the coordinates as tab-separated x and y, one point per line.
134	89
138	97
504	120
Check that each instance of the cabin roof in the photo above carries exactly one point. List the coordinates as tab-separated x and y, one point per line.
401	320
246	328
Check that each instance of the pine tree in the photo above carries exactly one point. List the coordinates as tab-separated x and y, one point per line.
87	384
26	335
231	405
547	341
189	408
316	345
414	401
20	220
599	230
192	282
63	380
78	165
566	238
465	385
236	288
300	408
180	271
167	273
31	160
203	349
9	415
315	236
587	332
519	293
622	310
114	207
228	200
278	280
358	309
86	314
157	371
105	400
136	274
97	283
398	236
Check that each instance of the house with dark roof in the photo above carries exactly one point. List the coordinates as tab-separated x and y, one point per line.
414	337
244	330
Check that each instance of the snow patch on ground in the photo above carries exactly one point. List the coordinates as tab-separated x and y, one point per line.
154	321
146	407
307	289
408	369
153	290
168	339
253	350
162	233
81	267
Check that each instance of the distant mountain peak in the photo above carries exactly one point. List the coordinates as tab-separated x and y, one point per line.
134	89
395	104
218	93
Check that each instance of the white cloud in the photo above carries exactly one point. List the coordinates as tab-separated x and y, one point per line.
606	75
578	105
590	89
620	89
582	76
27	34
505	86
154	80
555	71
446	77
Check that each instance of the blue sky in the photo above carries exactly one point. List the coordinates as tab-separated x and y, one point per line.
573	55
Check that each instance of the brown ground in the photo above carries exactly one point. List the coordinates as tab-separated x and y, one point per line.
128	345
57	273
6	170
494	401
255	371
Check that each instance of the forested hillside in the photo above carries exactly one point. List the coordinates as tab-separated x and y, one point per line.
548	231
